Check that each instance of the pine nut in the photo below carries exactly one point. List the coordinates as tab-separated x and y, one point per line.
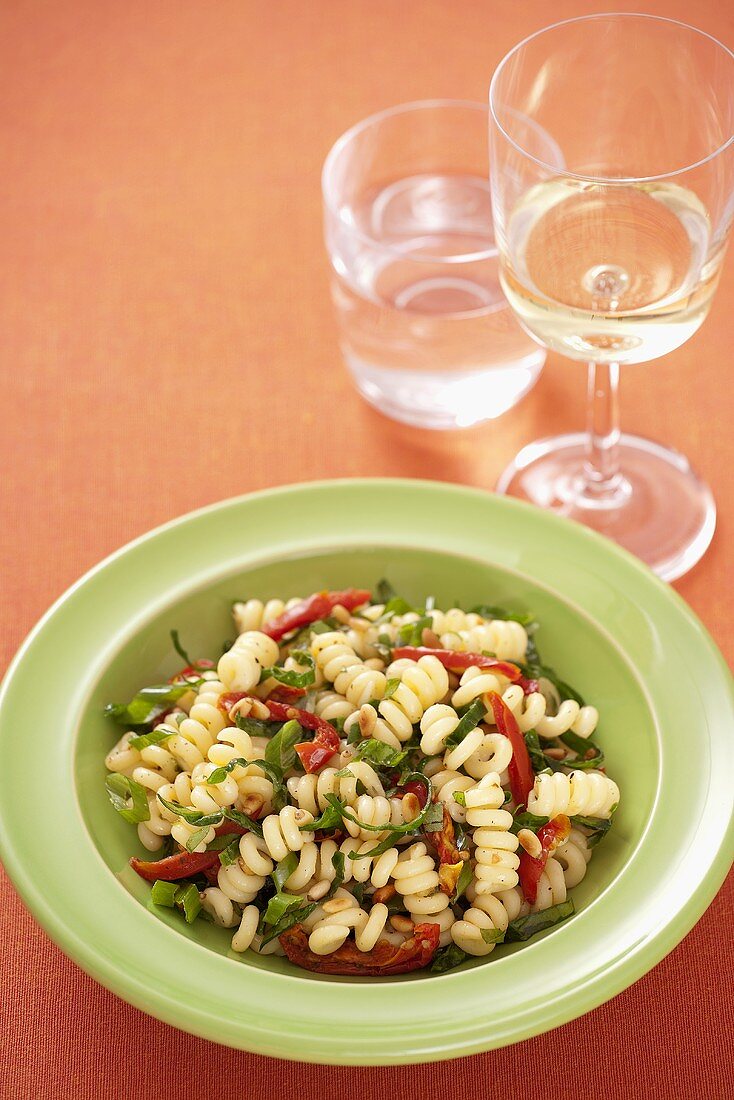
319	890
340	613
367	720
252	804
556	754
360	625
259	710
401	924
411	806
337	905
428	638
384	894
530	843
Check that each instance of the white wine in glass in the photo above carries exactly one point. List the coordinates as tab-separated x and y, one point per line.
614	258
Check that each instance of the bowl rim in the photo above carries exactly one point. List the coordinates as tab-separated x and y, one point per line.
408	1044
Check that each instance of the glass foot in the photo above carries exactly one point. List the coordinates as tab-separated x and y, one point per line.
658	508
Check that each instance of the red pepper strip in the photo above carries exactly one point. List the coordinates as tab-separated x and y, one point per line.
191	670
443	839
182	865
313	754
283	693
212	875
280	712
232	827
457	662
520	770
449	856
383	959
318	606
550	836
528	686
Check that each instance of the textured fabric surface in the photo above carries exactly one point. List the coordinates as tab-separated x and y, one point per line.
168	341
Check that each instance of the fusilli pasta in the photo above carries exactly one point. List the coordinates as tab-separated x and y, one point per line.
376	780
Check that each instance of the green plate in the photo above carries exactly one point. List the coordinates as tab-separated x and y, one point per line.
608	625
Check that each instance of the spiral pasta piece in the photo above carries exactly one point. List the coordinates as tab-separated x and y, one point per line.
573	857
445	784
416	879
238	883
371	725
437	725
589	794
122	757
365	868
340	665
551	886
330	705
496	861
252	614
310	792
219	906
240	667
245	934
493	754
531	714
476	683
332	930
282	832
513	901
491	919
375	811
468	632
422	683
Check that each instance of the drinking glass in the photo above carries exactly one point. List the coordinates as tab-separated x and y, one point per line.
614	257
424	327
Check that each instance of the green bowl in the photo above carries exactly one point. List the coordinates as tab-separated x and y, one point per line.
607	624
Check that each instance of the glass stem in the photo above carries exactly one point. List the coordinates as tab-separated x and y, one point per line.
602	476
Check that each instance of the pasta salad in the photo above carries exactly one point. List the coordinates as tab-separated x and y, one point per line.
363	786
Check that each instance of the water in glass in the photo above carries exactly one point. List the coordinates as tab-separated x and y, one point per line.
425	328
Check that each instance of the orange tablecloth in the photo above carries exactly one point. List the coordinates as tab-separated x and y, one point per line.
168	341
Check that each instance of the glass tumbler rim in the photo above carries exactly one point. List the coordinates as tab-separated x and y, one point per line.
359	127
567	174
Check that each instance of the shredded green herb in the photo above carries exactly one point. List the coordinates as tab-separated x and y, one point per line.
471	718
155	737
524	927
281	749
600	826
490	611
196	838
149	703
447	959
289	676
379	754
128	797
493	935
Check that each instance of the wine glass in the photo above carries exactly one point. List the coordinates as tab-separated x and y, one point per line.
614	258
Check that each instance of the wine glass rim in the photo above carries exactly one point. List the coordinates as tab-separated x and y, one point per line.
354	131
580	175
